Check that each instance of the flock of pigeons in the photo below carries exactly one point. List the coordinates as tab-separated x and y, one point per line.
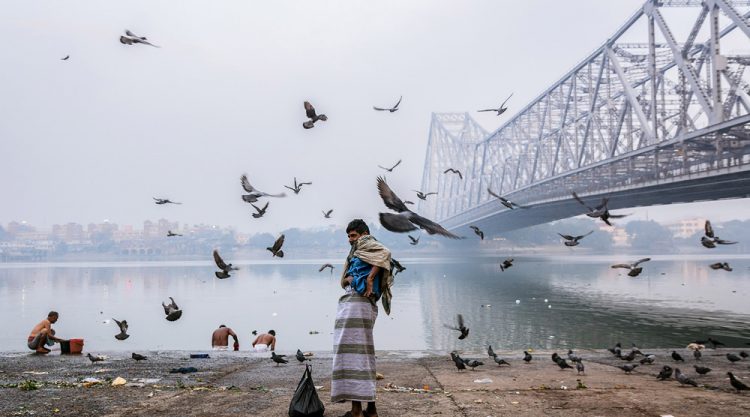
647	359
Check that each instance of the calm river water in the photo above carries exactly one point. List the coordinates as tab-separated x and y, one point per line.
541	302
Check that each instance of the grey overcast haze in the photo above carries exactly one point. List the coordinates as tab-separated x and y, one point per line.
97	136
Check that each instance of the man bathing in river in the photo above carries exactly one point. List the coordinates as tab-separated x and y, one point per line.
43	334
220	338
264	341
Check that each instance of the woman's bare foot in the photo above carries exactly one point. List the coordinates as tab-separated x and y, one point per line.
43	350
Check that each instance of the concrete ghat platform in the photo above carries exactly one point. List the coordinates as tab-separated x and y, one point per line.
415	384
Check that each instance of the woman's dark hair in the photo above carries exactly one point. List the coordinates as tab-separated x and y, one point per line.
359	226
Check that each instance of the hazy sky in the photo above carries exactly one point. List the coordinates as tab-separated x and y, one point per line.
97	136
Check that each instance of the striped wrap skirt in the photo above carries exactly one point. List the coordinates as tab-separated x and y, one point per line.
353	377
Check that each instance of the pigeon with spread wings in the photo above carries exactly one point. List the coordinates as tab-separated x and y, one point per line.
711	240
312	115
454	171
461	327
297	186
276	248
253	193
573	240
405	220
634	269
123	325
599	212
391	168
500	110
260	211
391	109
507	203
131	38
225	268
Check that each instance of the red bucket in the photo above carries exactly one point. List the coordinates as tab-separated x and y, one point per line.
72	346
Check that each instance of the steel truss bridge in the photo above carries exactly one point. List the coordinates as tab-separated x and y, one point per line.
645	119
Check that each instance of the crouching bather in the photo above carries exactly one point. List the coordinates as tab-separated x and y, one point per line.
42	334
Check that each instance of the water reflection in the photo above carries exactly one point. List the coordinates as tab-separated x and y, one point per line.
588	304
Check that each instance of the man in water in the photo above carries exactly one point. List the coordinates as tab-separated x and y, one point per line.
43	334
366	279
264	341
220	338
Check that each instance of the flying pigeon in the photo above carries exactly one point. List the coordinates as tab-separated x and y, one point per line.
171	310
414	241
634	269
391	109
253	193
710	240
123	325
130	38
504	201
314	117
172	234
391	168
164	201
477	232
225	268
506	264
573	240
260	211
276	248
599	212
297	186
405	220
423	196
500	110
326	266
460	327
327	214
455	171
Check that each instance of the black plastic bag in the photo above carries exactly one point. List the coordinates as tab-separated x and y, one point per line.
305	401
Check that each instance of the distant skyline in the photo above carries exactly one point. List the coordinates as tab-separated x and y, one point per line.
98	135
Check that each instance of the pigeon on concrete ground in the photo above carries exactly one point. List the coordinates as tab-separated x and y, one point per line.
94	359
301	356
677	357
491	353
500	361
278	358
138	357
683	379
579	367
473	363
648	360
628	367
702	370
736	383
665	373
744	354
460	365
733	358
527	357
